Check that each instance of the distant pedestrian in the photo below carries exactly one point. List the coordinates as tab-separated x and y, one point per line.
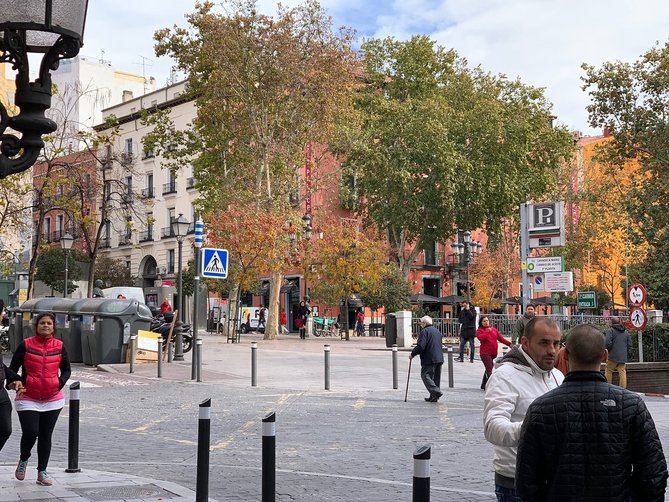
303	312
587	439
431	352
467	319
282	321
165	307
46	369
618	343
523	374
488	336
530	312
261	318
360	323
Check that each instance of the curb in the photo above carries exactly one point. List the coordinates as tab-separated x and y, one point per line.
105	368
655	394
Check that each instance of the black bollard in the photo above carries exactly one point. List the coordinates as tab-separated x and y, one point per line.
421	474
395	377
73	434
254	364
133	352
327	366
203	443
160	357
269	458
170	352
450	367
198	352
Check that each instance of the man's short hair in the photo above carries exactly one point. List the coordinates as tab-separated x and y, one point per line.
531	327
426	319
585	344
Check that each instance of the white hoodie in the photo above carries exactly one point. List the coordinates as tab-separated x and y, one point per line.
515	383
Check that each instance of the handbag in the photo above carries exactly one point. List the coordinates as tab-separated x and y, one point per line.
299	323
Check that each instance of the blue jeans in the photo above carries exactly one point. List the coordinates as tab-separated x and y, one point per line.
506	494
463	341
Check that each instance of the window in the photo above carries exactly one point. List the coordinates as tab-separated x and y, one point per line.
432	286
154	102
107	230
128	147
431	253
170	261
59	223
171	215
47	228
128	227
128	184
128	264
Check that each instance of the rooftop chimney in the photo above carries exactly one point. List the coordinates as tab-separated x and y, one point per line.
127	96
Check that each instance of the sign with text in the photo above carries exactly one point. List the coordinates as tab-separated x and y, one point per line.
586	300
556	282
545	264
546	225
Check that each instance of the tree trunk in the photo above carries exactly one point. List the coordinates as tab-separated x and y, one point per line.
91	277
232	310
272	328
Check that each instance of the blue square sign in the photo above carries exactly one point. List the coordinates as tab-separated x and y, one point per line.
214	263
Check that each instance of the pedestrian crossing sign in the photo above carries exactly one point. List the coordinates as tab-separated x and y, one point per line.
214	263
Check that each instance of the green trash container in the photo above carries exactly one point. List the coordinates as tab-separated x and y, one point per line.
67	330
106	324
25	315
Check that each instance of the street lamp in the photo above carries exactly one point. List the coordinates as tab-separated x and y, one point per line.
180	230
466	252
52	28
66	242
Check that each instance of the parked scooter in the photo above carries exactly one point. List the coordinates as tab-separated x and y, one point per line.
161	324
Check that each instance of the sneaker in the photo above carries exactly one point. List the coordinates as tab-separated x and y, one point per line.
44	479
20	472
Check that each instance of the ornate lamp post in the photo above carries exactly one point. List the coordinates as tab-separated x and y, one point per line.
180	230
66	242
52	28
466	253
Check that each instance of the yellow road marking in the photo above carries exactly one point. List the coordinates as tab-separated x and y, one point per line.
359	404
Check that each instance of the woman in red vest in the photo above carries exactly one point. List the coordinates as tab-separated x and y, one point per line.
45	370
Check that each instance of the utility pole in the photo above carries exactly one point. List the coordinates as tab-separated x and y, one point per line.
524	252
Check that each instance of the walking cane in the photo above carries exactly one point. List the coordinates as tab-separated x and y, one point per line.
408	375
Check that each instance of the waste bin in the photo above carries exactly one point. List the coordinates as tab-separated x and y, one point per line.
105	323
24	318
15	329
391	330
66	330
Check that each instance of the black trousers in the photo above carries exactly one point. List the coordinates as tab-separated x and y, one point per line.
37	426
431	376
5	422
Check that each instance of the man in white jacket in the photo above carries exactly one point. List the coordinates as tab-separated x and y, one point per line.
523	374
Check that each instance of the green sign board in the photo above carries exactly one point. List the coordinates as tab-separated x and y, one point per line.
586	300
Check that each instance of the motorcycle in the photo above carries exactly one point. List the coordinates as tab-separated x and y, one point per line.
162	323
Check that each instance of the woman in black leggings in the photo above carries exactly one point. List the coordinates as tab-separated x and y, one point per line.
13	382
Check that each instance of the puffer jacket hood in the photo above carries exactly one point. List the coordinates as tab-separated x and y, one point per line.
618	327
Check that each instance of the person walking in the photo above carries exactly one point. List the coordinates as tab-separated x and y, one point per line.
467	319
303	312
282	321
529	314
618	343
488	337
261	318
360	322
431	353
12	381
45	370
165	307
523	374
588	439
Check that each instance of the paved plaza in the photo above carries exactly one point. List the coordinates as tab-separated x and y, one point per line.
352	443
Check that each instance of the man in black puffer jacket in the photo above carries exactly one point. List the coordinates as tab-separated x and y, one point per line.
589	440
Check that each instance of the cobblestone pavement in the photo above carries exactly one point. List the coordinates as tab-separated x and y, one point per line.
352	443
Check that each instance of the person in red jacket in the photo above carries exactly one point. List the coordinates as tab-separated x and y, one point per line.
45	370
165	307
488	336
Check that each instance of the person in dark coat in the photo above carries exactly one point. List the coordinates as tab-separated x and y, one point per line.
13	381
431	357
618	343
588	439
467	319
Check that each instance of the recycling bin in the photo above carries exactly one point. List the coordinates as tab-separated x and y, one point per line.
67	330
106	325
25	313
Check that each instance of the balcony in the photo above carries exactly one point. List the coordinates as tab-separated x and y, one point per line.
124	238
147	193
105	243
170	187
146	235
166	232
190	183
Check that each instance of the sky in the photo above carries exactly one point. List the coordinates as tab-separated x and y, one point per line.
544	42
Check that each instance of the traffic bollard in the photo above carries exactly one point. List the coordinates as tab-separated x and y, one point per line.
160	357
133	352
326	349
450	367
198	348
170	352
203	443
73	433
421	474
269	458
254	364
395	378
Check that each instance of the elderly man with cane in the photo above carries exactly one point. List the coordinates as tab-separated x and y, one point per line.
431	357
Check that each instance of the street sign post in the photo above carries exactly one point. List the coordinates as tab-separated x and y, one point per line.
214	263
636	294
638	318
545	264
586	299
555	282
